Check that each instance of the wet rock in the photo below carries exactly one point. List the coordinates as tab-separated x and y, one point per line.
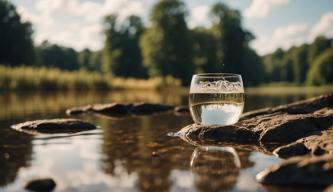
182	109
300	171
41	185
317	145
111	108
118	110
78	110
54	126
273	127
329	189
291	150
147	108
289	128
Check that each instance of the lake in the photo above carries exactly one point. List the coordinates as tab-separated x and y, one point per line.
129	154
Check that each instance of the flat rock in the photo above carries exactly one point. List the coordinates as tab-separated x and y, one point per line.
118	110
54	126
78	110
300	171
111	108
41	185
182	109
273	127
318	144
147	108
292	150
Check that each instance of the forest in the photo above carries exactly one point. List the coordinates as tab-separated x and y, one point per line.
164	48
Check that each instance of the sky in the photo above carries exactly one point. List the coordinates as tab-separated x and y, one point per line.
275	23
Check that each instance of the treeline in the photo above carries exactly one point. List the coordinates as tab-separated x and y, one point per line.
168	47
308	63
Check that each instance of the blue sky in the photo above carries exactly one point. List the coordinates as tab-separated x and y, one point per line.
275	23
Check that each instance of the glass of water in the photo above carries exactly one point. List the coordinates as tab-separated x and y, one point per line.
216	98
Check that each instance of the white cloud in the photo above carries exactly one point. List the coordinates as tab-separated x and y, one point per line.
199	16
323	27
76	23
284	37
261	8
294	34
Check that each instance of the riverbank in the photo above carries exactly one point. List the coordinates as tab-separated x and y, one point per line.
46	79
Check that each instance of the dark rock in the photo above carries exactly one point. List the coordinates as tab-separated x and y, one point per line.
111	108
196	132
182	109
329	189
291	150
147	108
41	185
78	110
117	110
317	145
289	128
300	171
54	126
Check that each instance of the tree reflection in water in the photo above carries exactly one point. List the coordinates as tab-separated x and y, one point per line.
15	152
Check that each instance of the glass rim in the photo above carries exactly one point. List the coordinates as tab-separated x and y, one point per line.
217	75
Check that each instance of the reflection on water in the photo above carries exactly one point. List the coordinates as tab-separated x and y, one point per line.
129	154
215	168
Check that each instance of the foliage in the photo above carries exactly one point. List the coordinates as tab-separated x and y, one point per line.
57	56
294	64
204	51
122	55
16	45
232	41
164	51
45	79
166	45
321	71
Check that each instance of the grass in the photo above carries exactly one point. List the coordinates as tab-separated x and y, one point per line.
46	79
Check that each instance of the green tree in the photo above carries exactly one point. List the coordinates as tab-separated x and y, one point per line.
166	45
16	45
273	65
85	60
318	46
122	51
300	63
232	42
97	60
204	51
58	57
321	70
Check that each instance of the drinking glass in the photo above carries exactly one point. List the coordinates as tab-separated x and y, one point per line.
216	98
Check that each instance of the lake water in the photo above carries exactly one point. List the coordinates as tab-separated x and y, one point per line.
129	154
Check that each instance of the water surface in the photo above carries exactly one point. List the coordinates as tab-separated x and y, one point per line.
130	154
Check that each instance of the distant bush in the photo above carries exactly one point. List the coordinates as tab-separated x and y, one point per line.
46	79
321	71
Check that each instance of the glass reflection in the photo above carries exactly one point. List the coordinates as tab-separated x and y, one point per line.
215	168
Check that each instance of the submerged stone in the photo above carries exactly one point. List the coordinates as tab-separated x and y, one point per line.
54	126
41	185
